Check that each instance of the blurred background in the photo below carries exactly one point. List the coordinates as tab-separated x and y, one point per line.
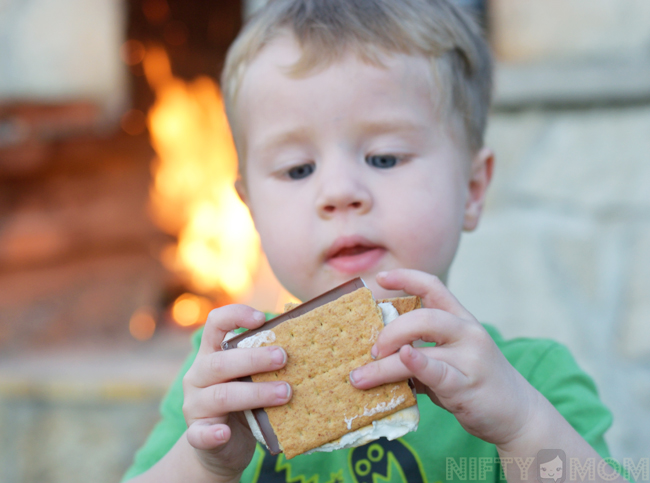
120	230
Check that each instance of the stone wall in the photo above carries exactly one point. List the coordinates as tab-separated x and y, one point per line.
62	50
78	414
562	251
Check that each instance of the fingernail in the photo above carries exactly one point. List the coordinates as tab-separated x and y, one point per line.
283	391
355	377
409	352
259	316
373	352
382	274
219	434
278	356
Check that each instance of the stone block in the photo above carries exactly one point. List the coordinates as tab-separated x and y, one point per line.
628	394
79	413
58	50
535	30
538	274
634	341
512	136
576	85
48	442
591	160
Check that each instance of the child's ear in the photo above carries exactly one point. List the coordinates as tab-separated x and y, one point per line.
479	180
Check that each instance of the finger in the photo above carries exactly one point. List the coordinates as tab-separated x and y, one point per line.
224	319
221	399
428	325
222	366
434	373
204	435
428	287
393	369
380	372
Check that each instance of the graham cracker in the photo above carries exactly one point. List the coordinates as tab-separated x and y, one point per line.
404	304
322	347
290	305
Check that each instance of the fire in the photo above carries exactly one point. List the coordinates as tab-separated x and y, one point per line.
193	196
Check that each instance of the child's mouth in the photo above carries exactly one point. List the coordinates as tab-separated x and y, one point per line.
351	251
353	258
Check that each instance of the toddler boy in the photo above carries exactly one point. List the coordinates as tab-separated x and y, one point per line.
359	127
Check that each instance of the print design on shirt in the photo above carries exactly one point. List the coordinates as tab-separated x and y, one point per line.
276	469
375	462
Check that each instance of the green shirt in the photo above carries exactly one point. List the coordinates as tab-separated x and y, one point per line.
440	450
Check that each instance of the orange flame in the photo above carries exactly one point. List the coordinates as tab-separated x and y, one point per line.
193	196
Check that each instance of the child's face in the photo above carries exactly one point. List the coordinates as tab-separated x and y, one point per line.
349	172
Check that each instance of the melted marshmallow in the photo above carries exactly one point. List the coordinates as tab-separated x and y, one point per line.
258	339
391	427
379	408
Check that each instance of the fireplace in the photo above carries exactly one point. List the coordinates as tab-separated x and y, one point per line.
95	245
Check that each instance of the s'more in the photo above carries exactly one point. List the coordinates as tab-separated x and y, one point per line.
326	338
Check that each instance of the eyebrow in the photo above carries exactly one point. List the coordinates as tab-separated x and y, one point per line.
391	126
297	136
282	138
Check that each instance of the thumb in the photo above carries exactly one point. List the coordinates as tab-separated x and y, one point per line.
204	435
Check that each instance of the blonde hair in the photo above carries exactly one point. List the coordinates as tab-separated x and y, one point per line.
327	29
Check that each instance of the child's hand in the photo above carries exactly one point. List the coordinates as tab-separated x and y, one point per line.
217	428
464	373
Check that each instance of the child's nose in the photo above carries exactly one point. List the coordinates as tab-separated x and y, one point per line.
343	195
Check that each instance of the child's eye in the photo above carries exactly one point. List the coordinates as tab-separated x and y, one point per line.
301	171
382	160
